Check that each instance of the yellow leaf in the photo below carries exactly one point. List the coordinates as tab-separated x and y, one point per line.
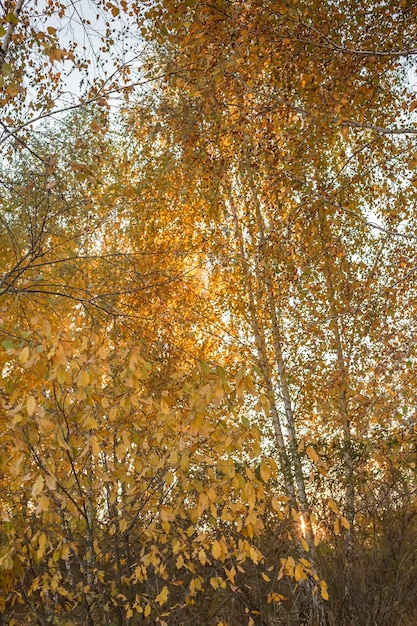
265	472
30	405
227	515
169	478
90	422
275	504
62	443
83	379
50	482
65	552
56	54
46	327
102	352
94	445
61	375
42	545
24	355
323	590
255	555
231	574
167	515
265	577
214	582
37	487
216	549
345	522
147	610
299	573
45	425
312	454
289	565
44	503
275	597
165	409
250	385
333	507
162	597
218	391
113	413
202	557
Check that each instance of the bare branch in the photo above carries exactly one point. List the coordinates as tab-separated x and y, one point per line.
331	44
378	129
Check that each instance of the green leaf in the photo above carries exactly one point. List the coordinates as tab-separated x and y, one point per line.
245	422
11	18
7	527
6	69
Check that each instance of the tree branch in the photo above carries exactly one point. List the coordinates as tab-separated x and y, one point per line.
10	30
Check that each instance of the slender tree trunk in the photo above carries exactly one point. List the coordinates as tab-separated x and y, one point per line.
293	462
343	382
4	48
262	354
265	268
343	407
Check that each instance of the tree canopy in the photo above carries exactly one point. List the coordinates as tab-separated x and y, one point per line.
208	313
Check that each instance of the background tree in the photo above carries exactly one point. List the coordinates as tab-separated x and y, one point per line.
307	138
